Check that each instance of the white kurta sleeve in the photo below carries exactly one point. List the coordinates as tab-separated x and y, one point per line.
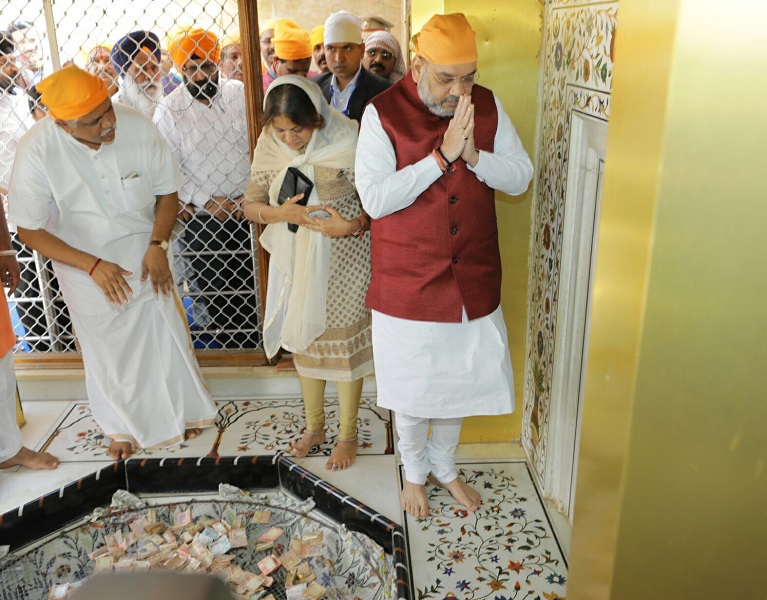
384	190
30	196
508	168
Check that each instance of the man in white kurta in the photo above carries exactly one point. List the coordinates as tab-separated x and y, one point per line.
205	126
427	167
94	188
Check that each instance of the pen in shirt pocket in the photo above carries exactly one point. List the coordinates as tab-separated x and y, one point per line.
131	175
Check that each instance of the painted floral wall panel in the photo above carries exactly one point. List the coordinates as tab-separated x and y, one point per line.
578	69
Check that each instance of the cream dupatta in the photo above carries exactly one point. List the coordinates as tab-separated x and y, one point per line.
295	313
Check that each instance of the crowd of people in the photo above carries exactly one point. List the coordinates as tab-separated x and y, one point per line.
375	189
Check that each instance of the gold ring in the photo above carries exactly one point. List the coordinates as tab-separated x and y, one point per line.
464	137
307	209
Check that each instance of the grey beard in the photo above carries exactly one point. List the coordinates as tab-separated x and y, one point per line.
425	95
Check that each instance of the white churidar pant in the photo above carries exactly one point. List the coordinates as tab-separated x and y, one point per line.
421	456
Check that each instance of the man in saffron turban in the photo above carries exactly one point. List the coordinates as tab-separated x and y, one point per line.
432	150
205	126
292	51
93	187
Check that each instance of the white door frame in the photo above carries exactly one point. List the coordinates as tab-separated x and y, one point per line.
588	137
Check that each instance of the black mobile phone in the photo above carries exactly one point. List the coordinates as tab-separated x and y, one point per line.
295	183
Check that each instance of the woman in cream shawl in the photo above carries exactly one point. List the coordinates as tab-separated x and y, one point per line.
318	276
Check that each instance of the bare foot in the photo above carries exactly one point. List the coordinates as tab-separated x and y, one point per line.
461	491
309	440
118	450
192	433
414	500
343	455
32	460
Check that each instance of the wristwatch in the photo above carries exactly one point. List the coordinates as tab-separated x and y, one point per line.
161	243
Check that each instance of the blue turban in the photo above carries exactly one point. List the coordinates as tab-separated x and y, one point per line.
126	49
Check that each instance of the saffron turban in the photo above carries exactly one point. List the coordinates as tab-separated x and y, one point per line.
229	40
446	40
127	48
343	27
71	93
316	35
194	43
290	41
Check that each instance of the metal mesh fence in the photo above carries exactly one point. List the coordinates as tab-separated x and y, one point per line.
199	108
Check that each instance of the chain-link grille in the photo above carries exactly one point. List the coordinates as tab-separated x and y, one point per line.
199	107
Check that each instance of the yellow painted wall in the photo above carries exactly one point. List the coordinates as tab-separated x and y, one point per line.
422	10
672	491
508	41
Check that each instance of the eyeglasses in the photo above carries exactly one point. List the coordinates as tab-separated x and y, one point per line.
385	54
448	82
207	67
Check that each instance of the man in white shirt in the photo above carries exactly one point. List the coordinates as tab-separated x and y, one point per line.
136	58
205	126
29	53
348	86
93	187
15	116
432	150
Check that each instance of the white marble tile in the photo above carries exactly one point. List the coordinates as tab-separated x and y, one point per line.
373	480
41	416
20	486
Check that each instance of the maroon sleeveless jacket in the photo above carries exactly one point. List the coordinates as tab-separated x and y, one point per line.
441	252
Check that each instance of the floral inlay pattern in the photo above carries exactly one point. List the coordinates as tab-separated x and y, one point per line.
504	550
577	74
246	427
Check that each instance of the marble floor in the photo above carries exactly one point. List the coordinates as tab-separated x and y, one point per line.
506	550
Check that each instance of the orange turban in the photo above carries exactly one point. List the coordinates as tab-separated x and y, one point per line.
197	42
230	40
316	35
447	40
72	93
290	41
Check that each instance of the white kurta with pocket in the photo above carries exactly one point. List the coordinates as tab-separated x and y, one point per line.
143	382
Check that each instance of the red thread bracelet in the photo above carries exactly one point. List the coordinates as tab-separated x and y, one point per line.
440	161
93	268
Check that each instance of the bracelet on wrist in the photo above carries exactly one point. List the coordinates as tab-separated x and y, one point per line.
445	165
361	229
260	217
7	252
93	268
